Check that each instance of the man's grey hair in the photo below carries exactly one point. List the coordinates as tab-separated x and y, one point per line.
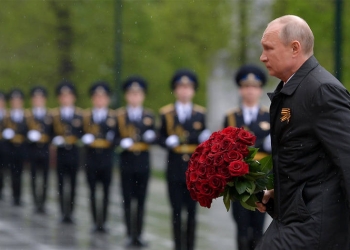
296	28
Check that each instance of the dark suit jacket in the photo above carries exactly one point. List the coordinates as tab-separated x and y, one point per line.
310	129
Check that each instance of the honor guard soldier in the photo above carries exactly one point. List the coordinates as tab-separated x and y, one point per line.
135	132
15	134
2	154
182	129
68	128
99	138
255	118
40	131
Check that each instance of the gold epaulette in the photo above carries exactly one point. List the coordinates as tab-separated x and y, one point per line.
120	111
54	111
78	111
233	111
148	111
264	109
199	109
167	108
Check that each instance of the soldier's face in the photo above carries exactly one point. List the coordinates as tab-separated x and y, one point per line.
184	92
135	98
66	99
250	94
16	103
100	100
38	101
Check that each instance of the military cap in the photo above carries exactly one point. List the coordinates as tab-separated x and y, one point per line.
184	76
15	93
135	83
2	96
65	87
100	87
38	90
250	75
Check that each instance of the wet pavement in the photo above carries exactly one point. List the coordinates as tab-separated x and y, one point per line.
22	229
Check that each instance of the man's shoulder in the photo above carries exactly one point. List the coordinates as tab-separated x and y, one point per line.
167	109
234	111
320	77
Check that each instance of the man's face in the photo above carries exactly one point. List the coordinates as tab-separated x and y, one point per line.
184	92
66	99
135	98
250	94
16	103
276	56
38	101
100	100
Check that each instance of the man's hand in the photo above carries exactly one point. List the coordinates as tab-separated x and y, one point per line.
267	195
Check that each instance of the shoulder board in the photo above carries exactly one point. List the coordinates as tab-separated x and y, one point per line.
28	112
86	112
112	112
199	108
166	109
148	111
54	111
264	109
120	111
78	110
233	111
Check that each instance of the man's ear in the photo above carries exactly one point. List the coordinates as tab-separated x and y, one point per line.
296	47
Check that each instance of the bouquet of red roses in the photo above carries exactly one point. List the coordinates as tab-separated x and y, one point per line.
224	165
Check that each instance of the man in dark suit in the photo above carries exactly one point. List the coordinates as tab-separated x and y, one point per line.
99	132
68	128
255	118
40	132
135	132
182	129
310	133
2	155
15	147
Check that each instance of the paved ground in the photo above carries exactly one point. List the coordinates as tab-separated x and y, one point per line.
22	229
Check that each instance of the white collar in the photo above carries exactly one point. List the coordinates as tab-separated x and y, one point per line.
288	79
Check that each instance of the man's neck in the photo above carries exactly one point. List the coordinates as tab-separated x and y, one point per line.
250	104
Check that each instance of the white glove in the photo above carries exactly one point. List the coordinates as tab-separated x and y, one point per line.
204	135
267	144
88	138
149	136
110	135
172	141
8	133
34	135
58	140
126	143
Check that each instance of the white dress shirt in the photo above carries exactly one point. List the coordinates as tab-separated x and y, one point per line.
250	114
39	112
183	111
17	115
134	113
99	115
67	113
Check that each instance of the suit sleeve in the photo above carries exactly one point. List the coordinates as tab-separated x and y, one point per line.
331	120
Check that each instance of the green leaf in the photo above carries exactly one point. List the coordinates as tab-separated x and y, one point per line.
251	201
250	187
244	197
254	166
266	164
227	199
252	152
270	182
241	186
230	184
246	206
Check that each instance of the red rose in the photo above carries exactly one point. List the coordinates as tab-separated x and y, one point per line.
215	147
217	182
202	158
243	149
218	159
223	171
229	131
205	201
211	170
238	168
209	161
246	137
206	189
201	170
193	176
232	156
226	144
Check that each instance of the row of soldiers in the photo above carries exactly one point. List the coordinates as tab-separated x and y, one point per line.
130	130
